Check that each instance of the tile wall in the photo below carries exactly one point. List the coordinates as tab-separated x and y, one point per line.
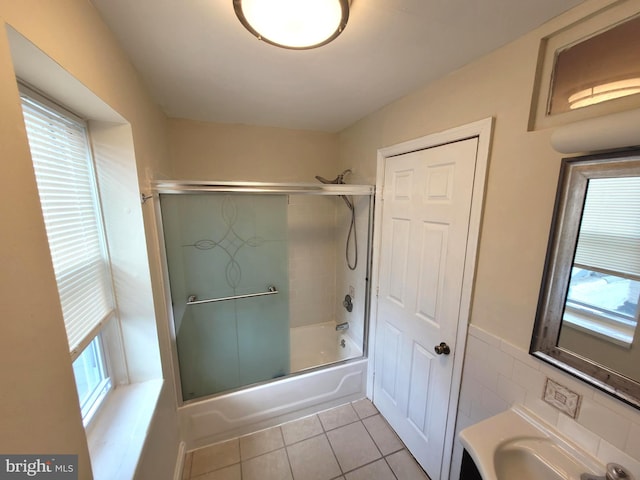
318	274
312	259
498	374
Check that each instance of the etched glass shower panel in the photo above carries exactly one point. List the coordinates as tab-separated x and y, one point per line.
220	246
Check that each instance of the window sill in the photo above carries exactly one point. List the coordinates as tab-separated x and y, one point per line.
602	329
117	434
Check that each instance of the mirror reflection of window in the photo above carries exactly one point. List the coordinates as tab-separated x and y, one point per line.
588	306
605	278
606	303
603	67
604	288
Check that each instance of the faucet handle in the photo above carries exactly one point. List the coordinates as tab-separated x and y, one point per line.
616	471
347	303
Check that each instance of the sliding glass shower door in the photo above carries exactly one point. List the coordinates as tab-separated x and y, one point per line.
228	274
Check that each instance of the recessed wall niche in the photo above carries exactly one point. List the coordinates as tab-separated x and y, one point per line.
598	69
589	68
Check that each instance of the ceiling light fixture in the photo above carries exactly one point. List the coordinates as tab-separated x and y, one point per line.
295	24
604	92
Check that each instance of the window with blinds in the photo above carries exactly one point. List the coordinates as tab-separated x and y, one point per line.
66	184
605	279
609	238
67	187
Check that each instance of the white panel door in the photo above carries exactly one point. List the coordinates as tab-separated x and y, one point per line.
425	223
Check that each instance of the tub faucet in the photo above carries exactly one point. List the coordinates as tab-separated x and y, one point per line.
342	326
614	472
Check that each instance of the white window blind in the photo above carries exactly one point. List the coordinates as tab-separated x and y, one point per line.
609	239
66	184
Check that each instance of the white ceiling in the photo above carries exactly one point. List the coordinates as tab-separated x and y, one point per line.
200	63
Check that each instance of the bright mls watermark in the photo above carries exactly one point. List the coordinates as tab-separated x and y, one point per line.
51	467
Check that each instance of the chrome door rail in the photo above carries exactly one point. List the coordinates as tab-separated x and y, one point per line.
191	187
192	300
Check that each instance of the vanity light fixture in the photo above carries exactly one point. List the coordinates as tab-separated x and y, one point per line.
604	92
294	24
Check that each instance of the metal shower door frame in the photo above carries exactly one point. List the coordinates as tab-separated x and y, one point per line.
187	187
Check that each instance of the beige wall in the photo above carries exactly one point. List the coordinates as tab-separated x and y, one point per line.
521	183
38	404
522	173
214	151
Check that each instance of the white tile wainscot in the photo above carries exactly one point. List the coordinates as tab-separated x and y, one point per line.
498	374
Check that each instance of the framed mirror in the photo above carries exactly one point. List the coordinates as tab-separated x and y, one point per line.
587	316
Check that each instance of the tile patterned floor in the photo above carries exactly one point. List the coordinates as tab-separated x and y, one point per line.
350	442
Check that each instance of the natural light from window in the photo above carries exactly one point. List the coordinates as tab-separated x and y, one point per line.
92	379
67	188
605	279
604	294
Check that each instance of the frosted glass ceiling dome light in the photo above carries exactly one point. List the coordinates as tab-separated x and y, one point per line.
604	92
296	24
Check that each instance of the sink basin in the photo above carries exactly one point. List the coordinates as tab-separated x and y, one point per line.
517	445
538	458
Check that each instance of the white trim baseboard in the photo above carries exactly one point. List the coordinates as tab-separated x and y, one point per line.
182	450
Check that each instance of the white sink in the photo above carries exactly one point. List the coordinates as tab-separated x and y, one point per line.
535	458
516	445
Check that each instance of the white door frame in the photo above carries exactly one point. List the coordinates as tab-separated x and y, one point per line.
483	130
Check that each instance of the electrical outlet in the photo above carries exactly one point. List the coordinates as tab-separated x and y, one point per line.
562	398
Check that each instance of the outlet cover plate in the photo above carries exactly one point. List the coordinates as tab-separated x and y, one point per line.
560	397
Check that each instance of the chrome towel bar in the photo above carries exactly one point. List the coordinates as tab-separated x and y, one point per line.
192	300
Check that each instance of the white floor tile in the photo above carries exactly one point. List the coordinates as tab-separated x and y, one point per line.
338	417
353	446
215	457
227	473
260	442
344	443
270	466
301	429
313	459
382	434
405	467
378	470
364	408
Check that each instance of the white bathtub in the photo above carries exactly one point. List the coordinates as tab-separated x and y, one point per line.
320	344
261	406
258	407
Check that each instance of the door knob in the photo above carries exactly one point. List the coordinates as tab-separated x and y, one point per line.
443	348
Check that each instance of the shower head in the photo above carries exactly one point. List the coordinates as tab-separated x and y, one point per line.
338	180
324	180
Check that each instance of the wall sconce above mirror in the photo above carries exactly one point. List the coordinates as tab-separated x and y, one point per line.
598	69
586	322
590	67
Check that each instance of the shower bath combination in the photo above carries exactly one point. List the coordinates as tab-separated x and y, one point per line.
339	180
248	265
